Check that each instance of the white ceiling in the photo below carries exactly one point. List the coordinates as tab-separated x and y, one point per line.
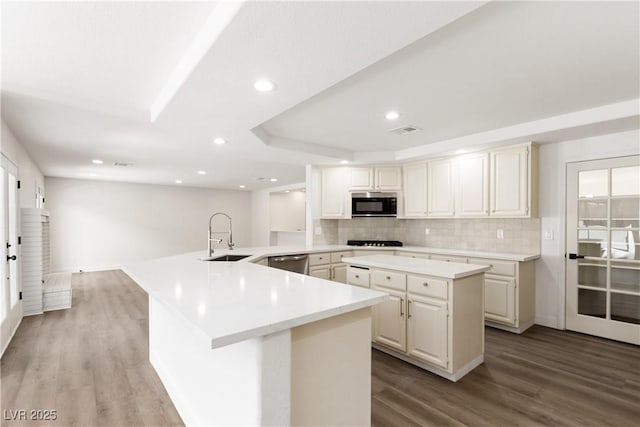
79	80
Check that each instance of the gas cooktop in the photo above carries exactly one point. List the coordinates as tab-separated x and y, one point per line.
374	243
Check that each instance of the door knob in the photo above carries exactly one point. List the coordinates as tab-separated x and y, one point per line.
576	256
11	258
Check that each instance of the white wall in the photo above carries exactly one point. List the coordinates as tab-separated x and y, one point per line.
29	173
99	225
261	218
550	269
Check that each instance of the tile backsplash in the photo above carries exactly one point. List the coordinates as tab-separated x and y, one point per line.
520	235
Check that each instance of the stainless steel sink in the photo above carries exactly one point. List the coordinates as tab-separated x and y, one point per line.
226	258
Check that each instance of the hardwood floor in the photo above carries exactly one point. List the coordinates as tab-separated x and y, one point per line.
90	364
542	377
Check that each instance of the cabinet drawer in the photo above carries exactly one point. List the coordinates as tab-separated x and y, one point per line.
502	268
412	254
389	279
449	258
321	272
358	277
337	256
319	259
427	286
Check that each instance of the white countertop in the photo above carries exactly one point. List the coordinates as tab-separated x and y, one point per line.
283	250
444	269
234	301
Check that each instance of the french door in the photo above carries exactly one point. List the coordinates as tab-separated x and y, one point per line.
603	248
10	304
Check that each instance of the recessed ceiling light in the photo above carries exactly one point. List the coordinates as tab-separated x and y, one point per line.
264	85
287	191
461	151
97	162
242	186
202	172
178	181
392	115
219	141
273	179
92	175
344	162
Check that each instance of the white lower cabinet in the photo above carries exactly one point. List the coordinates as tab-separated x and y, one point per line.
358	276
500	299
389	322
509	294
339	272
417	322
427	329
321	272
329	265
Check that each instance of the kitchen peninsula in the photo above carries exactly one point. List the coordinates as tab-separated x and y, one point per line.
244	344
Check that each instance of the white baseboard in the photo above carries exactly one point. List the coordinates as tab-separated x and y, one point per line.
507	328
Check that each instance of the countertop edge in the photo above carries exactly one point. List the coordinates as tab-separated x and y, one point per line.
292	323
408	269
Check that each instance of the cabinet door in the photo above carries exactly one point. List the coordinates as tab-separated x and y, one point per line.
339	273
334	192
321	272
361	179
440	188
427	330
415	190
388	178
509	192
500	299
472	195
389	322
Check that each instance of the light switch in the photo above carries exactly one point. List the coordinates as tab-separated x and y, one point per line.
548	235
426	231
500	233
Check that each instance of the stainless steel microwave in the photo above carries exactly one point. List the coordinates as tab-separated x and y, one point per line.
374	204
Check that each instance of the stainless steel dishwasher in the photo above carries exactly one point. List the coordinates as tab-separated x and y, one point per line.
297	263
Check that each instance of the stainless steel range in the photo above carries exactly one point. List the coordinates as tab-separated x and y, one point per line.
380	243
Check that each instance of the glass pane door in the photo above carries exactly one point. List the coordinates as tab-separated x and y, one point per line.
603	243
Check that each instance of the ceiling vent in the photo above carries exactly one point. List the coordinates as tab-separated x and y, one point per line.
122	164
405	130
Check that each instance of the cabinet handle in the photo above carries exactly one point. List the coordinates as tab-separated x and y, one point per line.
388	277
408	309
357	276
401	304
425	284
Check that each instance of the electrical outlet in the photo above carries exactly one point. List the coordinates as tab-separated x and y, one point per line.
426	231
500	233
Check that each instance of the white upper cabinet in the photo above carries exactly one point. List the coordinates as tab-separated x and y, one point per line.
510	187
440	195
472	195
362	179
376	179
334	196
415	190
388	178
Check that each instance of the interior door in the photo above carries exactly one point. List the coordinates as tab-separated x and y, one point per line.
10	304
603	248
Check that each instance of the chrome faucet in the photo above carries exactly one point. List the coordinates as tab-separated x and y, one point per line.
229	233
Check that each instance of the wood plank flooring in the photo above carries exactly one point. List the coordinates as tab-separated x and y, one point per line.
90	363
